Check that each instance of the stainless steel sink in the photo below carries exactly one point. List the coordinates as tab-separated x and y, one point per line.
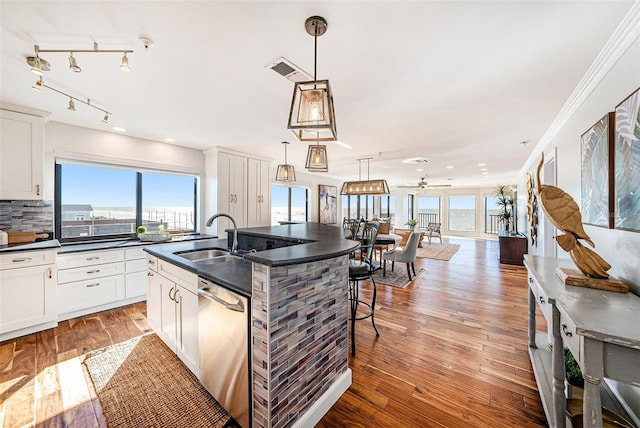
219	259
203	255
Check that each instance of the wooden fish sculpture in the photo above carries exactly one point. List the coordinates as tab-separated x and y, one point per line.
564	213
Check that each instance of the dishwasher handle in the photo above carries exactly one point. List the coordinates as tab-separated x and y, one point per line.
232	306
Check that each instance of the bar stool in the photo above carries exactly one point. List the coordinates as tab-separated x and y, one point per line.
361	269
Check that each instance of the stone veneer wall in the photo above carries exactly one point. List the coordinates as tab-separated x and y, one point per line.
299	337
20	216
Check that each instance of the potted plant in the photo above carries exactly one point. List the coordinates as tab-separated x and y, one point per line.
412	223
505	203
573	374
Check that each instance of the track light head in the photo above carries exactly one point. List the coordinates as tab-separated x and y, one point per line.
73	65
38	65
72	106
125	63
38	85
105	119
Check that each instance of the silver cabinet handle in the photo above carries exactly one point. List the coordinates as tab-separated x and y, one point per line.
541	299
93	271
22	260
151	262
235	306
37	189
149	273
170	296
92	285
50	273
566	331
92	258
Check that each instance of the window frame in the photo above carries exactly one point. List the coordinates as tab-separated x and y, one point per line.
138	199
289	207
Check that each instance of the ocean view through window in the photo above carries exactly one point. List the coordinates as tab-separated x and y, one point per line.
104	201
288	204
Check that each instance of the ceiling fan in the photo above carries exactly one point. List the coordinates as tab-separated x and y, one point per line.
422	184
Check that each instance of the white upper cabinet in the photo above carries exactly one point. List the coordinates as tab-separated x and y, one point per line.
259	193
21	156
232	190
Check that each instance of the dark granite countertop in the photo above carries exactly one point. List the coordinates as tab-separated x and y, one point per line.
313	242
31	246
128	243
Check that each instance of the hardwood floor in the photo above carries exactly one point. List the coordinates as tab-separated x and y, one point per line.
452	352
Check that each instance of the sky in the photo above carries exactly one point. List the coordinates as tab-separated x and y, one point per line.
111	187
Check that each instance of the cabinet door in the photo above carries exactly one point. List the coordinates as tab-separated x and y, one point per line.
232	190
27	297
154	300
187	328
21	156
167	330
258	193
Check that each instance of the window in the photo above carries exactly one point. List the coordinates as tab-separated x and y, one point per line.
491	212
288	204
103	201
358	206
462	213
428	210
388	207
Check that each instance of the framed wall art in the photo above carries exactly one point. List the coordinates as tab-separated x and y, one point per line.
627	163
327	204
597	146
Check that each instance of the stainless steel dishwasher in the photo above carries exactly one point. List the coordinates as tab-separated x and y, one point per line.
223	339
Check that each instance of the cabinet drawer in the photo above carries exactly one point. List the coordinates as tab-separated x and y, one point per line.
137	265
88	258
152	263
80	295
135	253
569	336
183	277
27	258
90	272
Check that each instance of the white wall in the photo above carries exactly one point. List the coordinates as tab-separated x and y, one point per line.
619	248
75	142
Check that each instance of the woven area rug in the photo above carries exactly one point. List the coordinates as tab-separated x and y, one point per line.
438	251
142	383
398	278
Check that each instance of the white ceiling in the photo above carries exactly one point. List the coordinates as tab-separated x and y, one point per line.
460	83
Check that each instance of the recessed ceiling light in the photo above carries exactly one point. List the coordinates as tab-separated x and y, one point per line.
169	140
449	166
119	129
482	164
484	169
485	173
419	169
450	179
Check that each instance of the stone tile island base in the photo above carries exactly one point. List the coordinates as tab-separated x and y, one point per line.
299	341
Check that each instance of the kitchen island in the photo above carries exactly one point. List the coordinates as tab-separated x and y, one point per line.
297	284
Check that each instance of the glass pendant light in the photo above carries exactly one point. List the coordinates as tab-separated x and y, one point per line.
312	116
285	173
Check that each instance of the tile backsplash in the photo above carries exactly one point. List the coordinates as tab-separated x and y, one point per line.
17	216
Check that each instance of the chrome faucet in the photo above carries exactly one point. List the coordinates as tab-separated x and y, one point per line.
234	246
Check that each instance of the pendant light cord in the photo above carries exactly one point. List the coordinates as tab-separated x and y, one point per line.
315	50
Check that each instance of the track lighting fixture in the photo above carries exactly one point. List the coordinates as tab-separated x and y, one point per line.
73	65
40	84
124	65
38	65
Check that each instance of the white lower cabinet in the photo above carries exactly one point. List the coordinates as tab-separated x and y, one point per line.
172	309
135	279
27	293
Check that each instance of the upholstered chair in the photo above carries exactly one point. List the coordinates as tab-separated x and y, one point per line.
407	255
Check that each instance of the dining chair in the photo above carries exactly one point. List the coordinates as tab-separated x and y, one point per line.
407	255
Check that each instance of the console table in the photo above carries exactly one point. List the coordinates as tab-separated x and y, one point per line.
600	328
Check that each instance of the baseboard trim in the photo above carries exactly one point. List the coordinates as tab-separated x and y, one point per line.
313	415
